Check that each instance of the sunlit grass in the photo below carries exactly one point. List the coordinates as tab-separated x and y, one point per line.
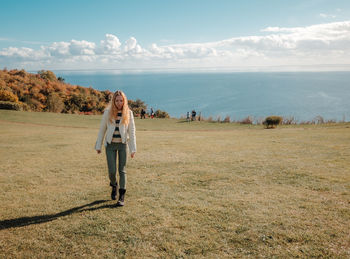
194	190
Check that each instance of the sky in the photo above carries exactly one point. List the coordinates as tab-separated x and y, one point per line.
184	35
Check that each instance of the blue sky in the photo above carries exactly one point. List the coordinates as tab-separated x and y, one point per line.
158	33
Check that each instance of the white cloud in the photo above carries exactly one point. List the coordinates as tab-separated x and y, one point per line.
323	15
111	44
81	48
133	49
12	53
59	49
327	43
130	44
279	29
72	48
4	39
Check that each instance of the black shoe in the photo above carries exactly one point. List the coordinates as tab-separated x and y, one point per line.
114	191
121	197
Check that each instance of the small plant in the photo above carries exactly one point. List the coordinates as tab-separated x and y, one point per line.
272	121
318	120
5	105
61	79
161	114
47	75
331	121
289	120
54	103
227	119
137	106
247	120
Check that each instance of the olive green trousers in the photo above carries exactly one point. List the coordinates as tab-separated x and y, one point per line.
114	151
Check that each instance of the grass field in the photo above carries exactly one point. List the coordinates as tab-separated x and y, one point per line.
194	190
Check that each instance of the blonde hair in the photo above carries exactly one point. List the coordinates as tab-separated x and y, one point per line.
113	108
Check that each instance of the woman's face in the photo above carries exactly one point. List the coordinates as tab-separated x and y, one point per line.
119	102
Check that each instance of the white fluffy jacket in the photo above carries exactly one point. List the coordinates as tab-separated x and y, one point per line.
127	132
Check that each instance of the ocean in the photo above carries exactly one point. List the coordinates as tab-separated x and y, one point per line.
303	95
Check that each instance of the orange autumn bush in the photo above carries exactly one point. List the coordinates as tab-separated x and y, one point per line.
45	92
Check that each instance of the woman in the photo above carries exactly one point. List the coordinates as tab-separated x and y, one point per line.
119	127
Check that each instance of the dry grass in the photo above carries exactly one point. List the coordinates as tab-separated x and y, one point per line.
194	190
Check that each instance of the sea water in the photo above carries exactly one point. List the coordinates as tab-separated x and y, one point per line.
303	95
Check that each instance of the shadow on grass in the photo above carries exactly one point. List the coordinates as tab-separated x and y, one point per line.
26	221
184	121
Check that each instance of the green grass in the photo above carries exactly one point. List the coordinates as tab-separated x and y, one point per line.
194	190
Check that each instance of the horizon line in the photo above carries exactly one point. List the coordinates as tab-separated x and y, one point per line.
282	68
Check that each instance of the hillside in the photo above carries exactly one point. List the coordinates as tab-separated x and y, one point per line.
20	90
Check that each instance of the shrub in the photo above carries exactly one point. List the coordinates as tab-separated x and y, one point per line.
5	105
54	103
21	73
210	119
289	121
61	79
227	119
247	120
318	120
272	121
331	121
8	96
47	75
137	106
24	106
2	84
34	104
161	114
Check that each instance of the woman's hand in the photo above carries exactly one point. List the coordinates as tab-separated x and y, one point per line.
133	154
98	151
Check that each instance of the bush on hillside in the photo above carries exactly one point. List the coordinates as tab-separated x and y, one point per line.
209	119
54	103
61	79
34	104
21	73
8	96
45	92
24	106
5	105
289	120
227	119
161	114
247	120
47	75
137	106
272	121
318	120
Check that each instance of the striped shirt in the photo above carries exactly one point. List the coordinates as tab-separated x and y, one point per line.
116	135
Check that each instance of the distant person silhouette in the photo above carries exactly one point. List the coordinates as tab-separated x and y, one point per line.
143	114
152	113
194	115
